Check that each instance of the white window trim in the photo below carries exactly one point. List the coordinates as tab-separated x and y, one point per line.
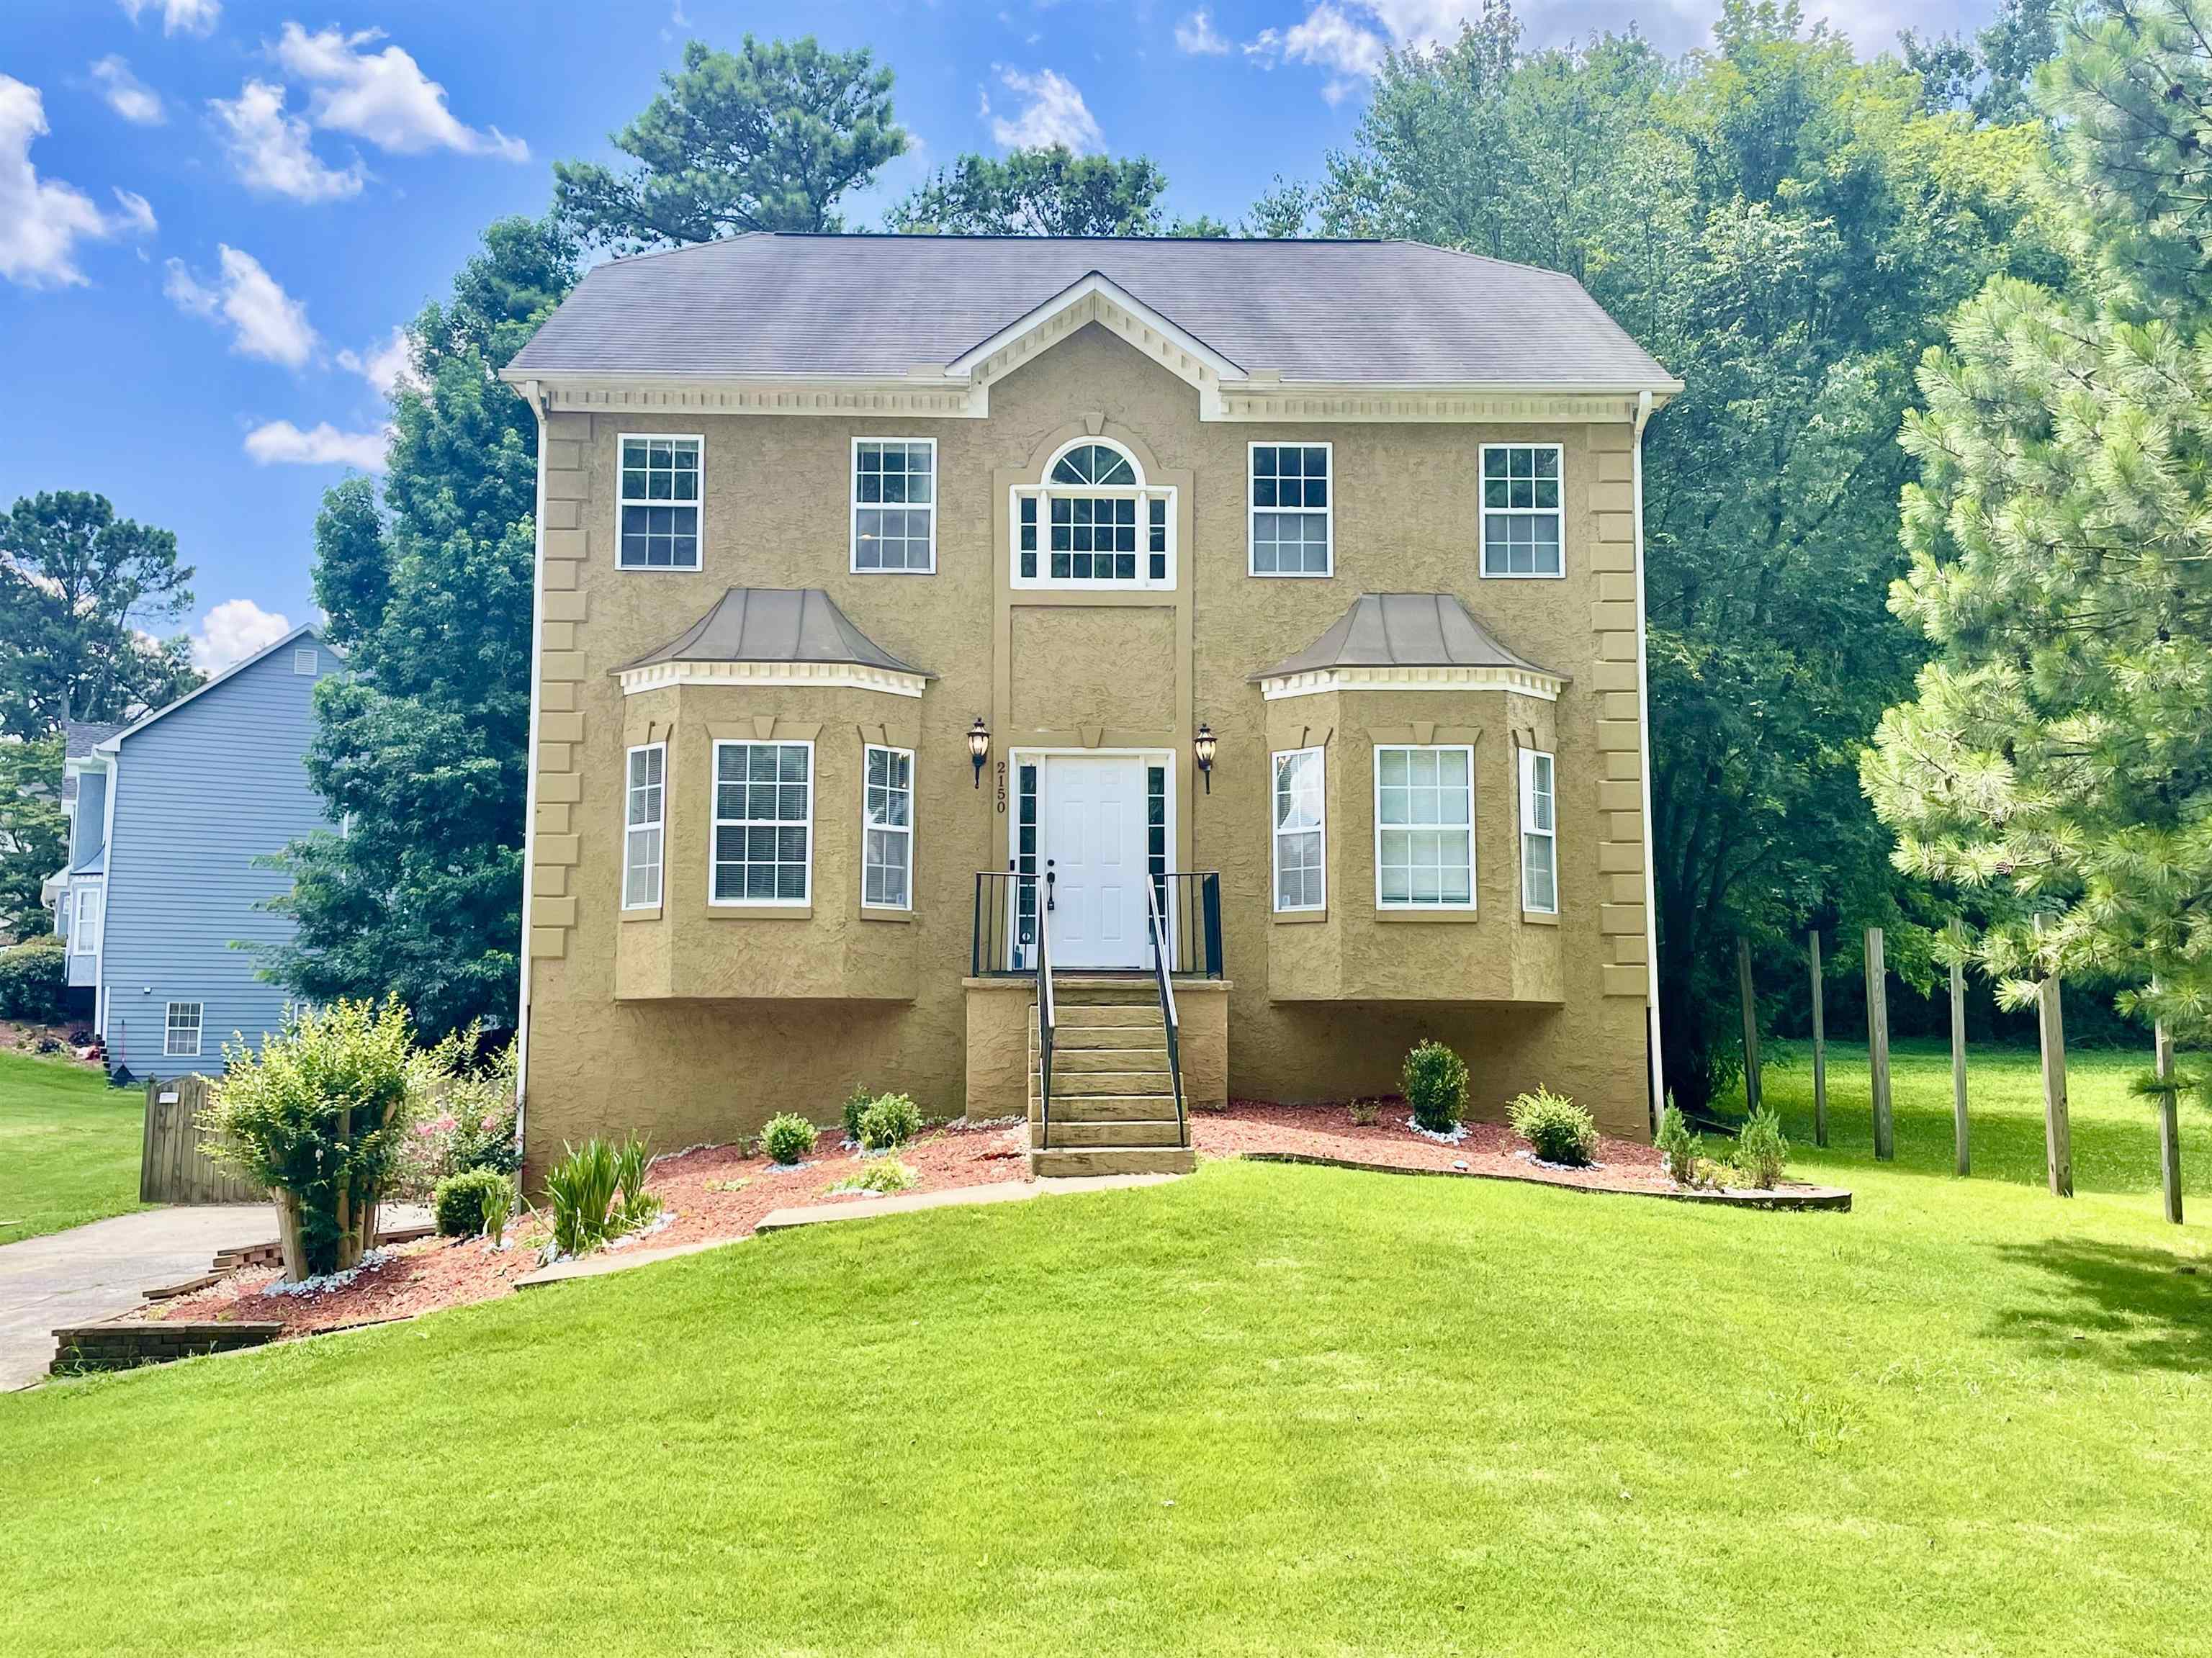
1277	832
1528	759
906	755
1327	512
1483	511
1474	861
852	488
621	501
1043	490
170	1030
659	864
84	919
716	822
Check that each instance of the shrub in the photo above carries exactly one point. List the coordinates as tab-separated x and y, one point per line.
889	1123
498	1208
1761	1152
319	1115
471	1123
788	1138
1559	1129
1679	1146
856	1105
633	1160
885	1175
1435	1087
582	1186
34	981
458	1204
1366	1113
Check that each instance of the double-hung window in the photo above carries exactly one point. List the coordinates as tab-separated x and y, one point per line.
1093	523
658	509
1539	852
180	1038
84	927
887	829
643	821
1301	834
1289	510
764	843
895	504
1424	826
1522	522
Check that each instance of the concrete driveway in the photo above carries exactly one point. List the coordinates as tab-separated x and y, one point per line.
95	1271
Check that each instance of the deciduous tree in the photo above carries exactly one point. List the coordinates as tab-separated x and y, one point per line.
1050	191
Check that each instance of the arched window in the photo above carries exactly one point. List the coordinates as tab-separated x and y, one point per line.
1093	522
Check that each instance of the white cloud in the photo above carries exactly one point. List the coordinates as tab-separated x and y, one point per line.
1195	34
1055	114
127	95
232	631
382	96
42	219
387	365
280	443
1349	38
178	16
265	321
1329	39
269	148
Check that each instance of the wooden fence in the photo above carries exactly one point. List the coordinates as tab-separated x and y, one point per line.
172	1167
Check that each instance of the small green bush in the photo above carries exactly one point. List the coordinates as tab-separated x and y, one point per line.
1679	1146
1366	1113
33	982
890	1123
1559	1129
788	1138
856	1105
582	1186
1435	1087
458	1202
498	1210
885	1174
1760	1153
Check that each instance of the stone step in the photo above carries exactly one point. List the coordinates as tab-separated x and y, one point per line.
1104	1108
1067	1039
1104	995
1075	1135
1069	1085
1113	1160
1070	1061
1098	1017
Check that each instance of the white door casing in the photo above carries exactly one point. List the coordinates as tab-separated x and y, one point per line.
1092	815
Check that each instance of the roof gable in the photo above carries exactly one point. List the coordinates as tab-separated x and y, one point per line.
306	630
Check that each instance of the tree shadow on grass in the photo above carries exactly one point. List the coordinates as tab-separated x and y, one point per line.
2120	1305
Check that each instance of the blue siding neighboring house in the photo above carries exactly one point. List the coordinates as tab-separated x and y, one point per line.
190	796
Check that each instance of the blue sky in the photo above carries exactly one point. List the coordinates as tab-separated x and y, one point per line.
215	213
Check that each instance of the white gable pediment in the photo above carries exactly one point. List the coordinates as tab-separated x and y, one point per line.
1097	299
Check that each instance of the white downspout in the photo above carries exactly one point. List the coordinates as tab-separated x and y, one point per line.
106	889
531	396
1643	410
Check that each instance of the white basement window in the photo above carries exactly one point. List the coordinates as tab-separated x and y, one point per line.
181	1038
1424	827
1301	835
643	821
1522	521
1094	523
763	841
1291	512
657	517
1540	853
895	504
887	829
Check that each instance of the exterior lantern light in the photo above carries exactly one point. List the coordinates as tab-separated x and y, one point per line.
979	747
1201	750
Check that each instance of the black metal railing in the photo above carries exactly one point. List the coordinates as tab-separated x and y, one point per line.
1047	1017
1003	944
1190	912
1162	954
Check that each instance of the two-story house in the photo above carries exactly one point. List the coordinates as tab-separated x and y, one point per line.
165	897
1086	676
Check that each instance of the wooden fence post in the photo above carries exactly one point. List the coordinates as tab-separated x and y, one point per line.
1751	1094
2169	1128
1959	1045
1820	1044
2057	1131
1877	994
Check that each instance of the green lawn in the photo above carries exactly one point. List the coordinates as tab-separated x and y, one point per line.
69	1146
1264	1409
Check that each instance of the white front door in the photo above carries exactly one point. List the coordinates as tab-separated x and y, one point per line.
1093	846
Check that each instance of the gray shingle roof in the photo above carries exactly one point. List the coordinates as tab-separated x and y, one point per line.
876	305
1405	630
775	624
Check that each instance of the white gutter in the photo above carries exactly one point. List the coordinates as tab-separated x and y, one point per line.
1643	406
531	396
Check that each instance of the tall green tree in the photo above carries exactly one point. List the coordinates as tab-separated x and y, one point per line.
420	752
1994	75
1784	228
769	137
2057	761
33	833
1049	191
81	593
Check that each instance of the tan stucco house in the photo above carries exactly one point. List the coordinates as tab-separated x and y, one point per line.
1090	678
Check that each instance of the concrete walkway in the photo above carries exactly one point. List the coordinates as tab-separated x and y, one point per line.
95	1271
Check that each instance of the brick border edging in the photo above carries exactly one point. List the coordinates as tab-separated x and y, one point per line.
1803	1199
126	1345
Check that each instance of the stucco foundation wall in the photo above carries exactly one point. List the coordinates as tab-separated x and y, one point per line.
1560	1004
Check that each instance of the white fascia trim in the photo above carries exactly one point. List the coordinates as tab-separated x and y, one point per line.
838	675
1086	298
1313	683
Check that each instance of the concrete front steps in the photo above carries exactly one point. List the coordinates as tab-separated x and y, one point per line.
1112	1092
